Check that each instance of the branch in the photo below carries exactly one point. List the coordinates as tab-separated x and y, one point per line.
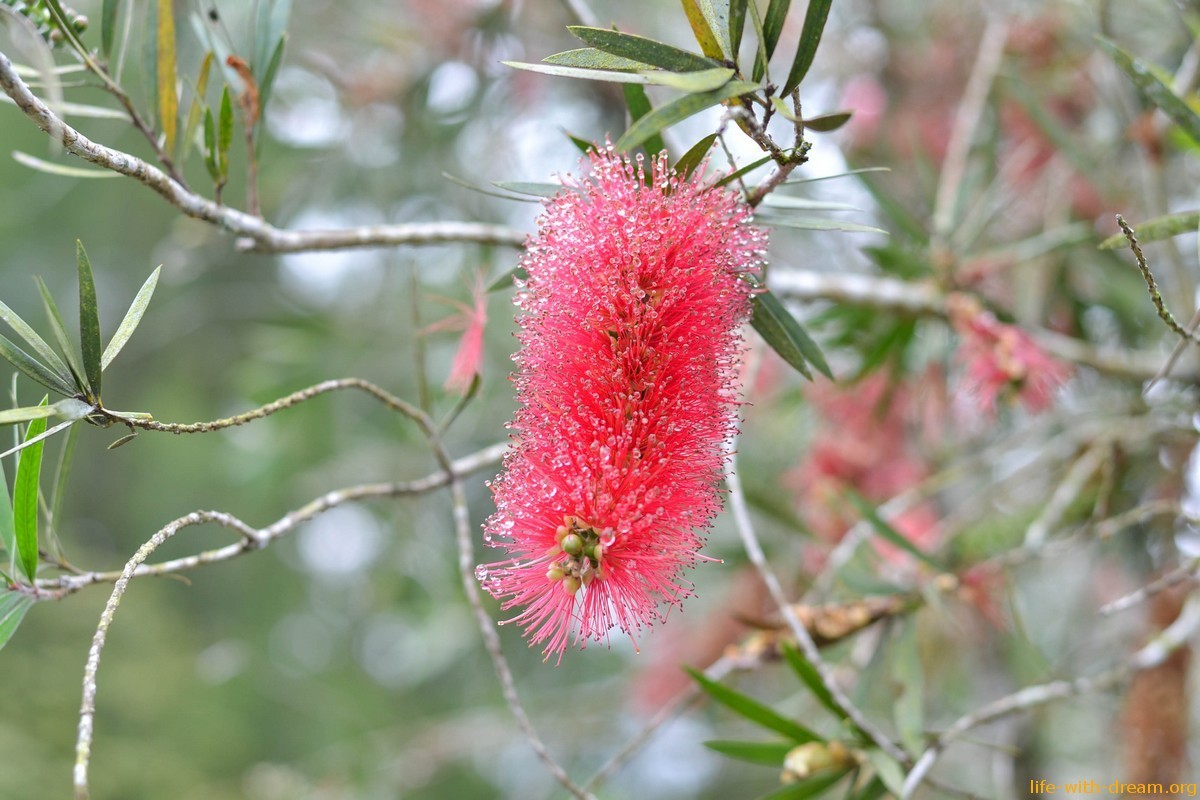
924	299
741	519
254	233
58	588
392	402
1150	656
1152	286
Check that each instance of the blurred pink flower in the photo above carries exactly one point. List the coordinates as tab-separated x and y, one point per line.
627	385
471	319
1002	360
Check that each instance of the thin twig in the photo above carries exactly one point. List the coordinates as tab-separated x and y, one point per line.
255	233
923	299
1152	286
966	120
741	519
491	640
1181	574
58	588
1067	491
1150	656
295	398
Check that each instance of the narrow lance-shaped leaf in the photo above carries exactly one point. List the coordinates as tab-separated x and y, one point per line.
59	329
693	158
62	473
811	678
11	416
108	26
813	786
678	110
591	58
639	106
25	499
810	36
8	536
133	318
643	50
890	534
13	606
711	37
38	439
753	710
737	24
33	369
53	362
772	27
768	753
210	148
168	100
268	78
89	322
782	217
1154	89
786	336
53	168
224	134
195	115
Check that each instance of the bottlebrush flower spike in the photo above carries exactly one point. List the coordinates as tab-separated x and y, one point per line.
626	379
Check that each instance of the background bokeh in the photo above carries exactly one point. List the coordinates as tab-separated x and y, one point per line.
342	662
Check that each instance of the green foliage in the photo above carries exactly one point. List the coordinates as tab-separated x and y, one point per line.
647	127
13	606
746	706
25	498
642	50
786	335
1154	89
814	26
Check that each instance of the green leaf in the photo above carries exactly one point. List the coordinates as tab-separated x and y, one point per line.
62	474
711	32
690	161
888	774
772	27
769	753
8	537
753	710
53	362
808	787
783	219
1156	229
642	50
909	675
874	790
505	281
737	23
847	173
61	338
210	148
89	322
890	534
108	25
224	133
530	188
25	499
133	317
810	36
13	606
760	51
168	99
269	33
678	110
591	58
639	107
733	176
786	335
701	81
11	416
812	679
40	438
268	78
1154	89
825	123
783	201
33	369
468	185
196	107
51	168
80	110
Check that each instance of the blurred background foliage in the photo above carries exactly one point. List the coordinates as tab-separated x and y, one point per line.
342	662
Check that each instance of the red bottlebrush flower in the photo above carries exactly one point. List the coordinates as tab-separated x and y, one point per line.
1001	360
626	381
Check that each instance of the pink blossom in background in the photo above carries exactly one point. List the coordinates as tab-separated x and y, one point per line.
471	320
1002	361
626	379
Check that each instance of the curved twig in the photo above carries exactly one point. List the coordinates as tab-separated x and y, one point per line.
258	235
58	588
